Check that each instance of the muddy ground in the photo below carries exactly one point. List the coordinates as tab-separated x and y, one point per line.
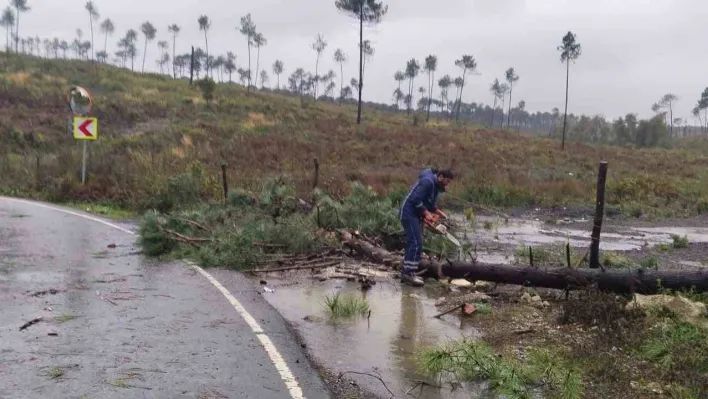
402	322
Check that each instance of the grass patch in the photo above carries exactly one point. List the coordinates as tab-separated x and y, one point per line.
650	262
63	318
345	306
613	260
678	242
677	346
468	360
483	308
55	372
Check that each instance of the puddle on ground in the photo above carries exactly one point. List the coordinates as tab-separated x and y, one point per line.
517	232
401	324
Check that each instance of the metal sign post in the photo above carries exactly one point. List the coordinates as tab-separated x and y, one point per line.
83	128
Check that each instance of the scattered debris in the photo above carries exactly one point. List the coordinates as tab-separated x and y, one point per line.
686	310
268	289
377	376
63	318
461	283
112	280
31	322
51	291
533	300
460	306
469	309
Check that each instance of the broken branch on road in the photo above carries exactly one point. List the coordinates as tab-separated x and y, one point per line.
378	377
31	322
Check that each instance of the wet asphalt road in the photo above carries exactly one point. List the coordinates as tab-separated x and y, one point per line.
127	327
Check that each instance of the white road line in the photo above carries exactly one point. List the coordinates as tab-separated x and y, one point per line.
285	374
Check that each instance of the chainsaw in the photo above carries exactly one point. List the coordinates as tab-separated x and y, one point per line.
441	229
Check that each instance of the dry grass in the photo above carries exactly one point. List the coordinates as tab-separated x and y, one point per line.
267	134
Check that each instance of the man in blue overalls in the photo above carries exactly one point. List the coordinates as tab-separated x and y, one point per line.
418	206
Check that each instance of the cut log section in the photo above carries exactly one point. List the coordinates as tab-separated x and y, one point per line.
640	281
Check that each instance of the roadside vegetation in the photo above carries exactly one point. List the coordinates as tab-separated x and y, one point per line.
593	345
155	130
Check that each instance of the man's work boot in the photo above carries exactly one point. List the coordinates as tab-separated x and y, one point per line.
411	279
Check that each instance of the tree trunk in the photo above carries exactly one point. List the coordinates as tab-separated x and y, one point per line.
341	84
430	94
105	46
565	114
145	53
317	76
508	115
206	41
459	100
671	120
17	32
410	95
93	50
258	65
248	90
174	62
361	60
640	281
494	112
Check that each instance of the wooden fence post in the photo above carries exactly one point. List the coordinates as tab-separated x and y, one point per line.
316	176
223	181
599	212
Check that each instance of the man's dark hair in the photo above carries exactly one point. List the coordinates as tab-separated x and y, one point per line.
446	173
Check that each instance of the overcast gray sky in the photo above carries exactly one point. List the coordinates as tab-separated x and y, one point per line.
634	51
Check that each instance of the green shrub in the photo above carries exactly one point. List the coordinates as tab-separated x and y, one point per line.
679	242
363	210
241	198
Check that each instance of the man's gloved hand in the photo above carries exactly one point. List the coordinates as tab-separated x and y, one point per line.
430	218
441	214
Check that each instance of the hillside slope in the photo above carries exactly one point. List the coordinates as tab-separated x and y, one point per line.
158	140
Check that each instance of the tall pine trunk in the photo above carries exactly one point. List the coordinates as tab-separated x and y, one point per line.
174	61
565	114
17	32
494	112
459	99
361	61
508	115
341	84
248	90
93	49
431	78
145	52
258	62
206	41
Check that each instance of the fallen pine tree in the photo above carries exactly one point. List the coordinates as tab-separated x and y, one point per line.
640	281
